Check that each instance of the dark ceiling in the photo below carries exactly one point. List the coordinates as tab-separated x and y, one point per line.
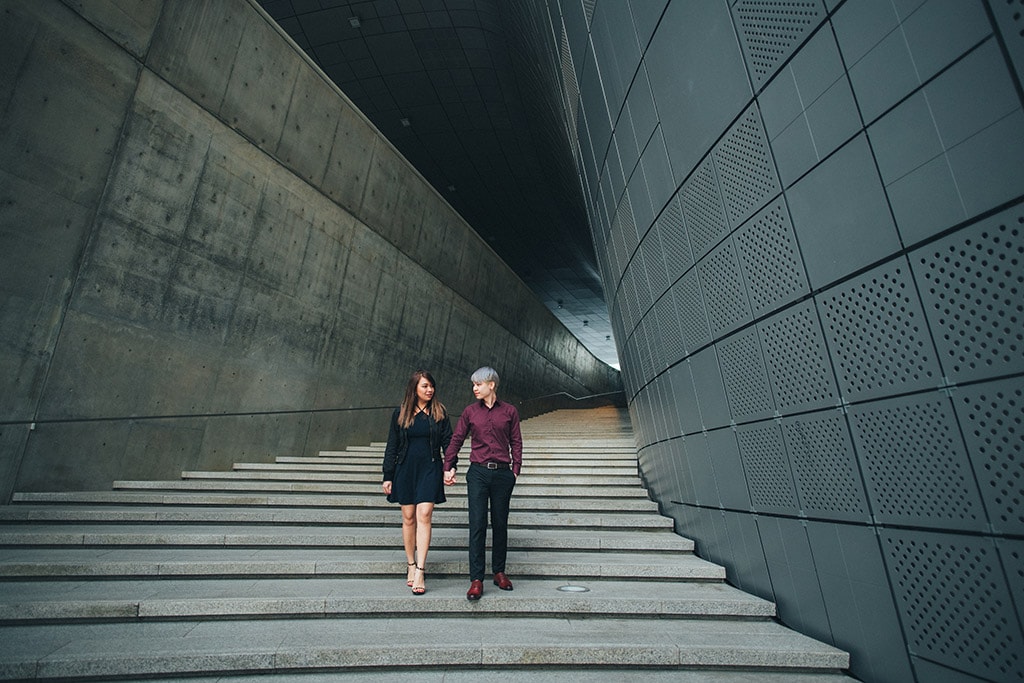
453	85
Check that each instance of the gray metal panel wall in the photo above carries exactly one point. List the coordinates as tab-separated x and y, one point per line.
830	293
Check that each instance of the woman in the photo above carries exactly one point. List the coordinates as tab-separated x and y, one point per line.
413	459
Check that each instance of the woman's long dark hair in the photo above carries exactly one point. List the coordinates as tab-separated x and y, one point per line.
407	412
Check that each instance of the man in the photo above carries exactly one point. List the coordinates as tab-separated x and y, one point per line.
496	457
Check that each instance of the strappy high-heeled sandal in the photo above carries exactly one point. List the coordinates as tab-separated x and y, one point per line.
420	590
408	579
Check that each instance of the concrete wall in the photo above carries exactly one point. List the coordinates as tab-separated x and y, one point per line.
206	254
809	219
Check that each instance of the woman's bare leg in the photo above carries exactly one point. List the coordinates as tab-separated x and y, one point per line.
424	516
409	540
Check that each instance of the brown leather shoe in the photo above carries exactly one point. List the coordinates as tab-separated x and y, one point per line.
476	589
502	582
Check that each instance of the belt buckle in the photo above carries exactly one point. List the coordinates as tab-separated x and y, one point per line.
492	465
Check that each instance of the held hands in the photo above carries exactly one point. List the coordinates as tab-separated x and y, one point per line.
387	488
449	477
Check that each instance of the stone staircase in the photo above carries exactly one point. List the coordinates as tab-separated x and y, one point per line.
293	570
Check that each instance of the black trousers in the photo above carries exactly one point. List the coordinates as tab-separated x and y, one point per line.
488	489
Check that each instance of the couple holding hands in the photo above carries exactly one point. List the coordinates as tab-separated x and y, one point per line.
421	457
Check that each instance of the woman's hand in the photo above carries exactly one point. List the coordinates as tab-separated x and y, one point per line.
387	488
449	477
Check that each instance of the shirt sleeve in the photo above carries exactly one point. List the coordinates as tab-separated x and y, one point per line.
515	442
451	453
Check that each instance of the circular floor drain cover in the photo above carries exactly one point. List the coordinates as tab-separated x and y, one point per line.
573	589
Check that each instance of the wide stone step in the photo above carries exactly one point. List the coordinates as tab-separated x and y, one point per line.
329	644
293	570
581	673
128	534
594	451
255	562
581	480
28	601
341	465
310	494
179	509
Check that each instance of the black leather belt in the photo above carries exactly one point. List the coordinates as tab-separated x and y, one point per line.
496	465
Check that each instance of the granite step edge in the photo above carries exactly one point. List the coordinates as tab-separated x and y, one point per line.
688	568
618	643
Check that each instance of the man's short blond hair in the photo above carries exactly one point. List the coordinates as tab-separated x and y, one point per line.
485	374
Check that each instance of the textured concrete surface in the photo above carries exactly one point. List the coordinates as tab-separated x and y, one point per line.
207	253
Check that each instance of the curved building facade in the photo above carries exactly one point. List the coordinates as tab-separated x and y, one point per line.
808	216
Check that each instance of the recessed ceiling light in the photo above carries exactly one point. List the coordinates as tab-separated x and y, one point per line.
354	22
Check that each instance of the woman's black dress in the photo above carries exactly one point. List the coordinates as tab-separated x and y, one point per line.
418	479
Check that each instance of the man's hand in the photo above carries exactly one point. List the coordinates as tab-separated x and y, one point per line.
449	477
387	488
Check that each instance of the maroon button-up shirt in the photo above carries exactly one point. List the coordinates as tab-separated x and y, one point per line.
495	432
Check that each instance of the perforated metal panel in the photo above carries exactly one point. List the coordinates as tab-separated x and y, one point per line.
876	335
658	399
724	292
627	301
1012	554
671	335
915	464
955	602
641	283
992	421
745	167
588	10
771	29
1010	17
652	328
703	210
621	311
746	381
767	467
674	242
824	466
624	230
570	87
797	360
692	317
654	262
629	356
643	354
626	220
646	357
972	287
770	259
615	263
673	425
